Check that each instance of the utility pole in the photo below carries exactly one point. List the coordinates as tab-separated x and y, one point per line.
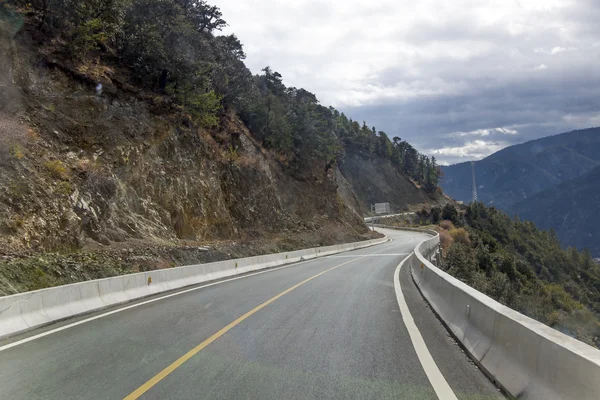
474	182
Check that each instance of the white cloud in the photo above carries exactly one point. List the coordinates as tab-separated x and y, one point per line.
583	120
555	50
337	48
471	150
486	132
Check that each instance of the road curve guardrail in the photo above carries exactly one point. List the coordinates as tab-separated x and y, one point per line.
527	359
378	217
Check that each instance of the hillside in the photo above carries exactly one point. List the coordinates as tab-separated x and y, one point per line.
121	153
571	208
376	180
517	172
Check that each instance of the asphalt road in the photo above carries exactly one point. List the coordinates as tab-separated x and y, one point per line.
337	334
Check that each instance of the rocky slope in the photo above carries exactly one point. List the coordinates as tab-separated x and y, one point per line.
121	178
376	180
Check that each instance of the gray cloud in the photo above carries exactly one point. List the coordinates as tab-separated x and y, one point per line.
434	73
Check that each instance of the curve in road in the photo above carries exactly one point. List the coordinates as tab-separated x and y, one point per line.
328	328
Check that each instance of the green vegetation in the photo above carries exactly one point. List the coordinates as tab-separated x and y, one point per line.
171	49
57	169
577	202
524	268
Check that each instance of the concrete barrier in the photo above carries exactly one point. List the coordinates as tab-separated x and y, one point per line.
378	217
25	311
526	358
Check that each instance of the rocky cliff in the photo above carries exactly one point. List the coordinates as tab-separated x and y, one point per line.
375	180
85	169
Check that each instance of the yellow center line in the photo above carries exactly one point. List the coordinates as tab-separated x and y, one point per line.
165	372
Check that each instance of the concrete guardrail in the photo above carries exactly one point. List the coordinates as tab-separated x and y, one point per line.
378	217
24	311
524	357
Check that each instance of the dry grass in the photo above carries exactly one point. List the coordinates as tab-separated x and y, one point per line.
245	161
446	240
447	225
460	235
210	141
31	134
57	169
92	68
64	188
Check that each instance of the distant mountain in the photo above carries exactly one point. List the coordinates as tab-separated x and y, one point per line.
572	208
516	173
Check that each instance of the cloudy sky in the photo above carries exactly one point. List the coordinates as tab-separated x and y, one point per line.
458	79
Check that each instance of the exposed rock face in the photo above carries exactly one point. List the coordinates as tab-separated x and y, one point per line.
82	170
375	180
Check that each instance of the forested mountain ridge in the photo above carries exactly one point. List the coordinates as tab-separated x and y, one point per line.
131	133
571	208
517	172
172	48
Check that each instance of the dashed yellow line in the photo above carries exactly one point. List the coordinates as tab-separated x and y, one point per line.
165	372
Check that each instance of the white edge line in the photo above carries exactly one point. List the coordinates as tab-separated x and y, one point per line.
106	314
437	380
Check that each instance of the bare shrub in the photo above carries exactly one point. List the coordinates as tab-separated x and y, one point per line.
460	235
222	137
445	240
447	225
246	161
281	157
57	169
